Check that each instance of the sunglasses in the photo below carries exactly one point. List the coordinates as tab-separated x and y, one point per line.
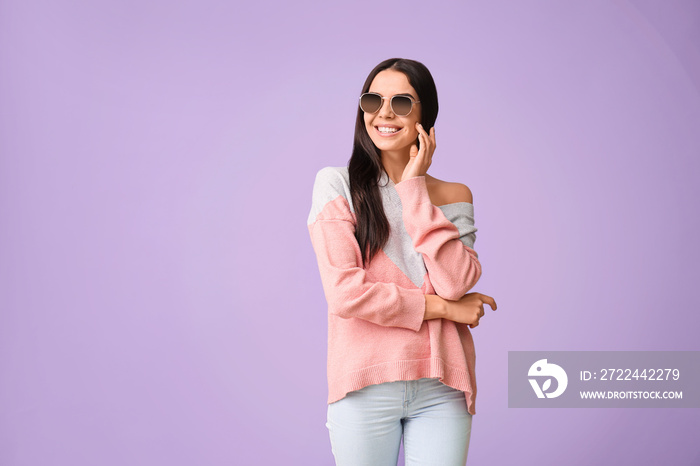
401	105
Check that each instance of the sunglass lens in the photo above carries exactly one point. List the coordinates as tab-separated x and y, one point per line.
370	103
401	105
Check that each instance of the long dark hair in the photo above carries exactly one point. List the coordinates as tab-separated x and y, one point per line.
365	166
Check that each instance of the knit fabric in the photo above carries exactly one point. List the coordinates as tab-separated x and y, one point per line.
376	331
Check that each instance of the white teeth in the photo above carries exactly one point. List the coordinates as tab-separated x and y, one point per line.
383	129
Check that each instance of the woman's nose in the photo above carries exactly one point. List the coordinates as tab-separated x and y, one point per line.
385	109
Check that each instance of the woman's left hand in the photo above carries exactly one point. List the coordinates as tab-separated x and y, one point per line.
421	158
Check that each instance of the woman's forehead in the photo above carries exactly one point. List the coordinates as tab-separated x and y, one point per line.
391	82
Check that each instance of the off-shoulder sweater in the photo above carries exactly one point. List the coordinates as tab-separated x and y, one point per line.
376	331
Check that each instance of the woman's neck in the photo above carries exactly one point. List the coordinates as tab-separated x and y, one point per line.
395	162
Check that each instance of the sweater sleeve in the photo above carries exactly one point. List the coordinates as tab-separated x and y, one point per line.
349	291
453	267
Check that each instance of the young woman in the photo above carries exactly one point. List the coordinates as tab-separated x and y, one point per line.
395	251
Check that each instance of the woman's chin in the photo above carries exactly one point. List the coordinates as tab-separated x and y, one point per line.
384	145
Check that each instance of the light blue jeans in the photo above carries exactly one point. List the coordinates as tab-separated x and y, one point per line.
366	426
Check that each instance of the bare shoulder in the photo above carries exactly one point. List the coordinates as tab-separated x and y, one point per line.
445	192
460	192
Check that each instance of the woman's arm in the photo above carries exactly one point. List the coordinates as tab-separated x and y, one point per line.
453	267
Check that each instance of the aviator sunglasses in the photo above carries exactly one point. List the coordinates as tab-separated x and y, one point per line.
401	105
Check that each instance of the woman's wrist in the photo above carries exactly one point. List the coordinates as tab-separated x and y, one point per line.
435	307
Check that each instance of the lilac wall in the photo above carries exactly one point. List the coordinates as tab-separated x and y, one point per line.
160	302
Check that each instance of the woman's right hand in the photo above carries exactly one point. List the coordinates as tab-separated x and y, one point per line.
420	159
469	309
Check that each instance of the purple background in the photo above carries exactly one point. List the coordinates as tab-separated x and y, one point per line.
160	302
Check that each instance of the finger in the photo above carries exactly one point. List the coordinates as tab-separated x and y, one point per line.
414	151
429	139
423	145
421	139
489	300
421	132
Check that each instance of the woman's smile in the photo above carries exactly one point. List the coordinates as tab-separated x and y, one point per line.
387	130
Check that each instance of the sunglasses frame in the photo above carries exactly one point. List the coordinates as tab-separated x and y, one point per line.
391	102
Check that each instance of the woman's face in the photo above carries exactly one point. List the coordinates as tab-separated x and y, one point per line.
388	131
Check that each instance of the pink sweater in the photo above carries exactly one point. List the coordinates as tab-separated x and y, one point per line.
376	331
